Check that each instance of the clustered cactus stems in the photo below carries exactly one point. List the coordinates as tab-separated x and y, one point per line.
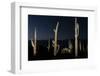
76	37
65	50
69	49
34	42
55	44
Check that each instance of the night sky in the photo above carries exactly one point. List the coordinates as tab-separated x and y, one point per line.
66	30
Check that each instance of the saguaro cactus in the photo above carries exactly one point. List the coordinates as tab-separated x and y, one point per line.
76	37
33	42
55	44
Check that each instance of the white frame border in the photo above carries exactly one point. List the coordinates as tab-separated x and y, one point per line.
16	29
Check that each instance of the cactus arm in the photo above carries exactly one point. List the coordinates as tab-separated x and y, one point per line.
34	43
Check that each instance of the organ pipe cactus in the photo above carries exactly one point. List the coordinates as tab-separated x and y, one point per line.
55	44
34	43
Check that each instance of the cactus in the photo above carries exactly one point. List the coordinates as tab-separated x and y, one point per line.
55	44
70	46
76	37
65	50
69	49
34	43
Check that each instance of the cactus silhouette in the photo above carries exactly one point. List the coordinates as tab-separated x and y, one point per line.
55	44
34	43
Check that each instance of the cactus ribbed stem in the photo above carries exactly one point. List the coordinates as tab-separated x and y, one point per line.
76	37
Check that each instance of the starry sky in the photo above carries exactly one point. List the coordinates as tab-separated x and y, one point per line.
45	24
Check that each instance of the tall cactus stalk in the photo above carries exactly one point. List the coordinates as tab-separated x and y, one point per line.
55	44
34	42
76	37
